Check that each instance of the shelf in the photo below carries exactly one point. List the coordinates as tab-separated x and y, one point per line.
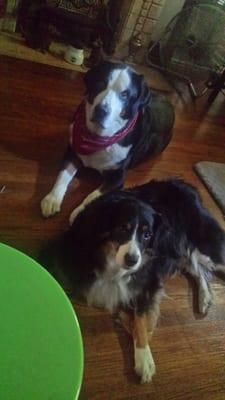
13	45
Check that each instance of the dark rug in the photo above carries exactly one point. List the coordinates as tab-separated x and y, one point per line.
213	176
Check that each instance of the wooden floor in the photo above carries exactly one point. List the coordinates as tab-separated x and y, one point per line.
36	105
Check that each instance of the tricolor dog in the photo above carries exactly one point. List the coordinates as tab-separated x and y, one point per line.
119	124
123	245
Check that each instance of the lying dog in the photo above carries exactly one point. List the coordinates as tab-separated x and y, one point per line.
118	125
121	248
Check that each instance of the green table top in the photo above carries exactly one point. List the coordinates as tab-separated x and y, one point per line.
41	351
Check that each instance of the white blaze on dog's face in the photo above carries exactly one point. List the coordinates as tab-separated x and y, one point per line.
104	115
114	93
128	255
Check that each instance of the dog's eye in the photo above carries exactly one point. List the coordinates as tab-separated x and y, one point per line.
124	228
147	235
124	94
146	232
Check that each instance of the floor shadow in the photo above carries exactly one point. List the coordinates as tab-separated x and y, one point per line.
127	349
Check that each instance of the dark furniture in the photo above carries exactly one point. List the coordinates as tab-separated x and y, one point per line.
78	23
218	85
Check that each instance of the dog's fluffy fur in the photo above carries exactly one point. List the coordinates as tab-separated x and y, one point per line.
121	248
115	94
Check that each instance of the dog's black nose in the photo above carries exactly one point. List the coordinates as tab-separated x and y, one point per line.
100	112
131	259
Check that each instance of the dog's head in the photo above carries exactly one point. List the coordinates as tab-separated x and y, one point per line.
115	93
119	229
129	237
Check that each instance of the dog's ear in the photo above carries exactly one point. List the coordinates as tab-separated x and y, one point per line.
158	221
144	93
94	222
95	73
152	216
89	77
140	95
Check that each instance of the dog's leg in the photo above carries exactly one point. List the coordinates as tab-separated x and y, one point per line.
215	264
205	297
112	180
92	196
144	363
198	269
51	203
141	327
220	268
137	326
144	325
154	312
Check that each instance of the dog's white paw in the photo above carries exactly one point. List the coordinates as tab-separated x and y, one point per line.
205	301
75	213
50	205
144	364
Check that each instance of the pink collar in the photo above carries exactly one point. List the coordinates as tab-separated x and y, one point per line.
85	142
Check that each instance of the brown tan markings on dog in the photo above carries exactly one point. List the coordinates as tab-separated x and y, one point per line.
141	328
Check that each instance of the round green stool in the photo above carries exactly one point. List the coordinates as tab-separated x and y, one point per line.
41	351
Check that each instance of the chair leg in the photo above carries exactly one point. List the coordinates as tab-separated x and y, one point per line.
219	85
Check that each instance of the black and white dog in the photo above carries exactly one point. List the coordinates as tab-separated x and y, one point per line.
124	244
119	124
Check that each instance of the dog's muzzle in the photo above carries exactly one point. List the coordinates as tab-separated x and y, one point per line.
100	113
131	260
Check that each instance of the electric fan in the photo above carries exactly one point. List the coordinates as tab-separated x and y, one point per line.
192	47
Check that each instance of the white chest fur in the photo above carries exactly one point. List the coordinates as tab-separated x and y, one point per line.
109	293
107	158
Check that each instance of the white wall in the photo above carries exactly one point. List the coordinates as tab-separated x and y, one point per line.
171	8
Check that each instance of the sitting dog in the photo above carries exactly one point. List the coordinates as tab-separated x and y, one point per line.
123	245
118	125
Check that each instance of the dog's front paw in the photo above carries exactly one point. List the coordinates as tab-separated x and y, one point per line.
75	213
50	205
144	364
205	301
